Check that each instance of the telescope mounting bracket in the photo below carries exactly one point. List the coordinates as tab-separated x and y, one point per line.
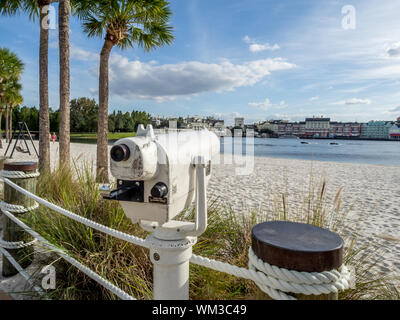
179	230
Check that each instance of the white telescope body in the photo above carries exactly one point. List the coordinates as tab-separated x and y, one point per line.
156	175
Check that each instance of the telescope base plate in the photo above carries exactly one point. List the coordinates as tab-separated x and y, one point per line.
171	230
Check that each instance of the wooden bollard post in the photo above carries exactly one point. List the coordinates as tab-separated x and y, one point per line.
299	247
11	231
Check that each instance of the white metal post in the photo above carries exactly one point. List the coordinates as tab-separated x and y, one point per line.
171	268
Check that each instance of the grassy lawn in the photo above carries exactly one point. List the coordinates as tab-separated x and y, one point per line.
92	136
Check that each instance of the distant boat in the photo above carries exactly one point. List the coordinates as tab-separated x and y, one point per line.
334	143
288	136
304	142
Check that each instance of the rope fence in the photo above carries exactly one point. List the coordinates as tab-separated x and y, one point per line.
274	281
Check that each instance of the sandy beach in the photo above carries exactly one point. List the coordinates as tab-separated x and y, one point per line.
372	192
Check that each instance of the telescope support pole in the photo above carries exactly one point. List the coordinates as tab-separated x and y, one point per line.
170	256
170	259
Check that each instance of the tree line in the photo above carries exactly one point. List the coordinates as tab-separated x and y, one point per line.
118	23
84	114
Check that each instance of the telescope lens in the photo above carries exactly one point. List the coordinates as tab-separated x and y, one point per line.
120	153
160	190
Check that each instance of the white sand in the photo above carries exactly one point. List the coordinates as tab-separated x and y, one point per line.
373	191
370	192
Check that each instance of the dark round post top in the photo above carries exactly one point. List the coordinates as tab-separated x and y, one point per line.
297	246
21	166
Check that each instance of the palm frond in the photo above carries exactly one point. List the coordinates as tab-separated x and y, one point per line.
14	7
127	22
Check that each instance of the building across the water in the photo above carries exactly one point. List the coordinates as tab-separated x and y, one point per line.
345	130
239	122
320	127
317	127
377	130
394	131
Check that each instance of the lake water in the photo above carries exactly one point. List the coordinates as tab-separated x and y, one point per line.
355	151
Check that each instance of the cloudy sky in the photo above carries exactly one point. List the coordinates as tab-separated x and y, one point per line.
260	59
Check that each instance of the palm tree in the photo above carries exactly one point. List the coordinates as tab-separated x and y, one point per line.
1	134
11	68
64	9
122	23
10	98
15	100
37	8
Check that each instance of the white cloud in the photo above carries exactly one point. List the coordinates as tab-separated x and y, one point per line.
355	90
247	39
314	98
78	53
353	101
136	79
393	50
397	109
257	47
266	104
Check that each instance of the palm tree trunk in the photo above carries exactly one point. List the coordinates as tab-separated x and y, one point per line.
7	112
102	129
63	35
10	125
44	122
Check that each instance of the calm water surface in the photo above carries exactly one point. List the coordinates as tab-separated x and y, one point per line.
355	151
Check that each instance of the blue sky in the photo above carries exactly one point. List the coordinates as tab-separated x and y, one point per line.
260	59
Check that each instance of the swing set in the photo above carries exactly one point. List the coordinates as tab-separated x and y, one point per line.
23	131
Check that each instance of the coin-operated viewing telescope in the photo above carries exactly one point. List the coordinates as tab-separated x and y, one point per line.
160	176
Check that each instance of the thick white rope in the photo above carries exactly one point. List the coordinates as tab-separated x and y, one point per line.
97	226
276	281
23	273
17	208
309	283
4	206
250	274
15	245
115	233
105	283
18	174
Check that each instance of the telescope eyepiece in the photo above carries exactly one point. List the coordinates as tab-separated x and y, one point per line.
120	153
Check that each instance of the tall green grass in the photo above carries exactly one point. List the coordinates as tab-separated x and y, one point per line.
227	238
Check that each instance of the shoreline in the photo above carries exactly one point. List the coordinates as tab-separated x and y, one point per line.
322	161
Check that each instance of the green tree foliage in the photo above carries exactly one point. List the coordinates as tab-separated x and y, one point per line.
84	115
54	120
140	117
11	68
127	122
28	115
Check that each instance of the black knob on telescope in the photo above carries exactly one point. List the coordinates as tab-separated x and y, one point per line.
120	152
160	190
